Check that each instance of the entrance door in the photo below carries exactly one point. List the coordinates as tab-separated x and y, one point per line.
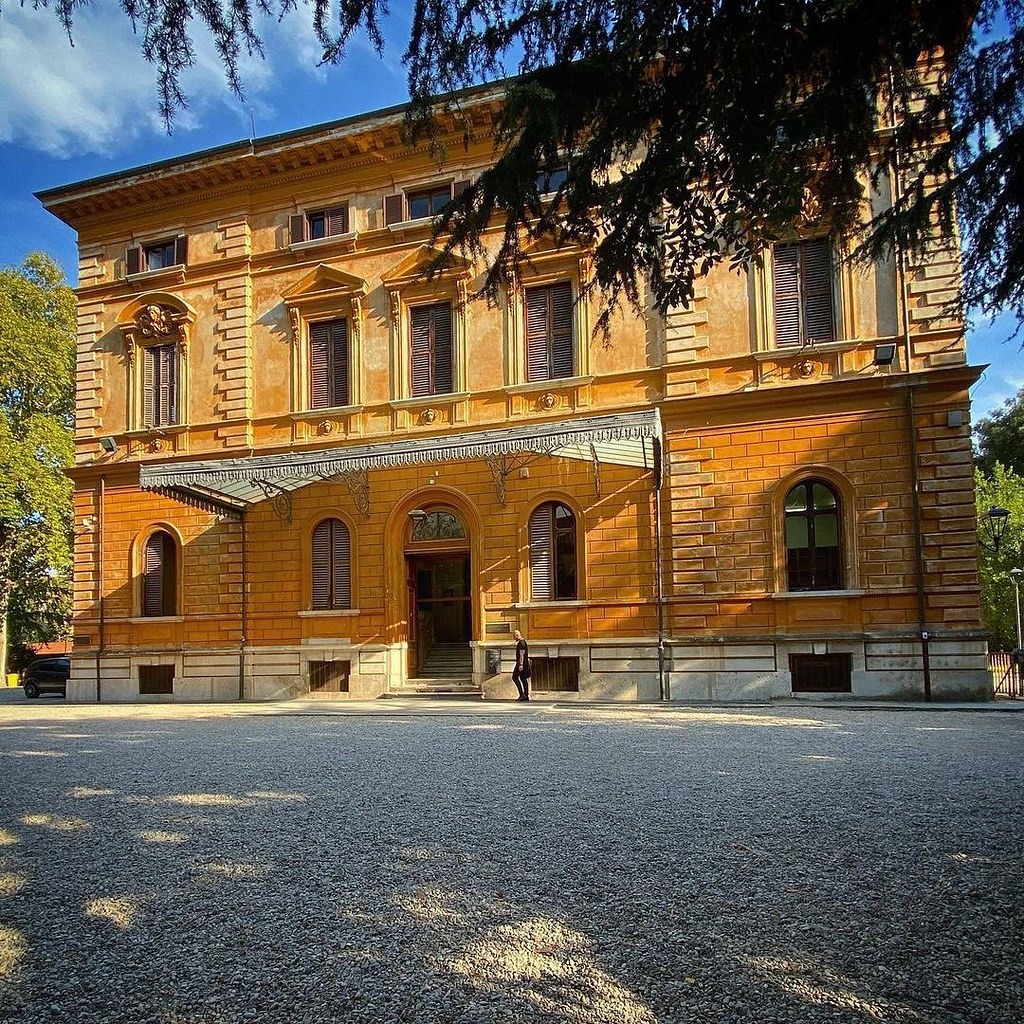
440	611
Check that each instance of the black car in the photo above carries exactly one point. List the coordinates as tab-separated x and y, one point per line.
47	675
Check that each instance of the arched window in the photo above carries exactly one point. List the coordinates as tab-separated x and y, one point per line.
160	575
813	540
332	565
552	553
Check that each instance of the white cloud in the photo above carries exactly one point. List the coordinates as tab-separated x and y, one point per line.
92	97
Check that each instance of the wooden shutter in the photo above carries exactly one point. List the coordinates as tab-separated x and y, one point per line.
337	220
339	362
322	565
181	250
443	346
341	569
538	366
420	355
459	187
786	294
158	577
149	358
161	386
133	259
332	566
816	273
297	228
319	371
561	330
542	571
394	209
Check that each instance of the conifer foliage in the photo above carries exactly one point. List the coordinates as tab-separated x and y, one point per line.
693	131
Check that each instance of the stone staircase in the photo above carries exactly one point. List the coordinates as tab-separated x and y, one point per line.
447	672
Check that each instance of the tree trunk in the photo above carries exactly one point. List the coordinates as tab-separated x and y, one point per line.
3	648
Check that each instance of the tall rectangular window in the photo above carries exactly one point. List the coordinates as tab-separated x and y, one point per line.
328	364
549	332
802	292
430	333
160	385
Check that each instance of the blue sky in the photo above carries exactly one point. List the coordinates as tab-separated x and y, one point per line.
70	113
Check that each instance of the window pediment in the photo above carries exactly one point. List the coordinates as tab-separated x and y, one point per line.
324	285
422	261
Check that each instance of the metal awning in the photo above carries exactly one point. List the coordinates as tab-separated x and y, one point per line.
230	485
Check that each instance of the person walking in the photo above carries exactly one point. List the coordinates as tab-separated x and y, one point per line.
521	673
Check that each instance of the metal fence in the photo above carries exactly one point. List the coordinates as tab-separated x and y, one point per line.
1006	675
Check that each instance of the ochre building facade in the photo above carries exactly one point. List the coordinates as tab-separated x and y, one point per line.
304	467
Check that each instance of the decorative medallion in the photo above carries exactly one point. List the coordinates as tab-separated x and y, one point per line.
547	401
155	321
806	368
428	415
325	427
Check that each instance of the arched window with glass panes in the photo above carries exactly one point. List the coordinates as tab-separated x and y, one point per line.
813	533
553	553
160	575
332	566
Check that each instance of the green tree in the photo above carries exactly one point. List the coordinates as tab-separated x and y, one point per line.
1002	489
37	346
999	437
695	127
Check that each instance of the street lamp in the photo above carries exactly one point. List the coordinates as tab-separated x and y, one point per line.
994	521
1016	575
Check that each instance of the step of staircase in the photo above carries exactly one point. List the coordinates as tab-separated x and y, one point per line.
440	687
448	661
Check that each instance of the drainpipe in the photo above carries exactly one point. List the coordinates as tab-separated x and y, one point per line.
244	620
915	481
663	680
915	487
101	648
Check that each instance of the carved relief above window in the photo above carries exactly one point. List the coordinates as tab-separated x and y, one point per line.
156	337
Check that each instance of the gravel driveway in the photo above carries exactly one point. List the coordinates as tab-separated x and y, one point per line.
207	866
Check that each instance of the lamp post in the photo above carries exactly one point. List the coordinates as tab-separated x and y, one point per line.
994	521
1016	575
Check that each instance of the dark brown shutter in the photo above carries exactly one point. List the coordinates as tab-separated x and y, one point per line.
339	362
443	361
322	565
420	357
159	577
538	366
297	228
337	220
332	567
394	209
819	323
181	250
541	554
561	330
133	259
459	187
319	369
341	570
786	294
169	385
149	359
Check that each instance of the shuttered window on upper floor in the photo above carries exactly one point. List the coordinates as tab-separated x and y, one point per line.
431	358
802	292
421	202
328	364
160	386
549	332
332	566
314	224
168	252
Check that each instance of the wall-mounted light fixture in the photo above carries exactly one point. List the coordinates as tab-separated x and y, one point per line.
108	444
885	354
994	522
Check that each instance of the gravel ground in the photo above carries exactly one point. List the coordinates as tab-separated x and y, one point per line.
203	866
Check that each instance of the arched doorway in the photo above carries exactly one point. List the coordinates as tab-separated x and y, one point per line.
440	608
